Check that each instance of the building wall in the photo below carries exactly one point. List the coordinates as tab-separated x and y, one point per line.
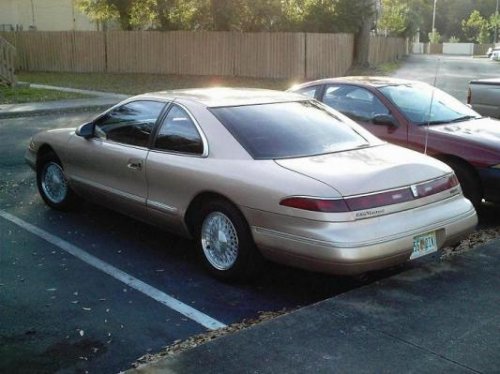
45	15
458	49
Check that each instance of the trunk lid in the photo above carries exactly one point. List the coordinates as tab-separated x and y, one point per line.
368	170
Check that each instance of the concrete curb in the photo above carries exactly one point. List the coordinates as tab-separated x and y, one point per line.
34	109
429	319
78	90
100	101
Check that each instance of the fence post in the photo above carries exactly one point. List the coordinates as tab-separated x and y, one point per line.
305	55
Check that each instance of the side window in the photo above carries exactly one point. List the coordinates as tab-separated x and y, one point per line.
178	133
131	123
355	102
309	91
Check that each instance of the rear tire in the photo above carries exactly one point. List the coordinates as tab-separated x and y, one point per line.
52	184
470	183
226	246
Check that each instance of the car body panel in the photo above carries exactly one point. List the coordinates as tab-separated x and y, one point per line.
367	170
484	96
340	248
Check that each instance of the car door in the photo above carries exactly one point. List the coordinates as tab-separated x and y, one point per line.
363	106
110	166
174	167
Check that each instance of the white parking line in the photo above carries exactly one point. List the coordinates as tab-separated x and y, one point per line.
128	279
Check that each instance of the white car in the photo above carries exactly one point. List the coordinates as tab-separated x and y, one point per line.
495	55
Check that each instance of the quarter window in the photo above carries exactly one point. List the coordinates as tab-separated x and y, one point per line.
131	123
178	133
308	91
355	102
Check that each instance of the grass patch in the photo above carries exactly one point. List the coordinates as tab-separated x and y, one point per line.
382	69
133	84
18	95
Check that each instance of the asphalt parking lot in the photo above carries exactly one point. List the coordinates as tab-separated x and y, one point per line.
92	290
91	312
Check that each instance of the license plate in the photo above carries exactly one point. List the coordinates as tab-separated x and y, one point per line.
423	245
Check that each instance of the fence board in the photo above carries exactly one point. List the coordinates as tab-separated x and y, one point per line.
328	55
270	55
385	49
481	49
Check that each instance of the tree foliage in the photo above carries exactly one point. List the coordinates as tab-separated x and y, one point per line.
99	11
406	17
231	15
476	28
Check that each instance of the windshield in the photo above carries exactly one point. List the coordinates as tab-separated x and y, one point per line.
414	100
292	129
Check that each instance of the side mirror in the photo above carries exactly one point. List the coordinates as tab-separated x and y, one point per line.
385	120
86	130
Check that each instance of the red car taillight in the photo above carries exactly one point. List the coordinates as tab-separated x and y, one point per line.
316	205
379	199
435	186
374	200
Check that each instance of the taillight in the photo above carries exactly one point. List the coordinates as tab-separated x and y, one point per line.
435	186
379	199
316	205
375	200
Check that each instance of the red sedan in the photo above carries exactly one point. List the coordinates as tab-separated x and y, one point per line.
420	117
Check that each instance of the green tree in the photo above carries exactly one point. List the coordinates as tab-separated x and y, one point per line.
495	24
476	28
404	17
143	13
394	17
434	37
240	15
99	11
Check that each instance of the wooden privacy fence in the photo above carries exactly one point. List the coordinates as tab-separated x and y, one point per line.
386	49
7	62
262	55
481	49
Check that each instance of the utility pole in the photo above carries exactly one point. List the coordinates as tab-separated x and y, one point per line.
434	17
32	14
496	24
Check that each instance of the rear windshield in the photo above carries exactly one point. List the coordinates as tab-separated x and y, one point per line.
285	130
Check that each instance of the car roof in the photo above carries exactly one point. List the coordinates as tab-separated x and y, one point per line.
374	81
225	96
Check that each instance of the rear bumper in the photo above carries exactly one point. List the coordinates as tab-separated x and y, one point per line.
370	244
490	179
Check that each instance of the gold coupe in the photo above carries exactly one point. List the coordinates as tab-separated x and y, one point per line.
249	172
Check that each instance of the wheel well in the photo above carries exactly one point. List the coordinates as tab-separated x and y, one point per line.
196	204
460	161
44	150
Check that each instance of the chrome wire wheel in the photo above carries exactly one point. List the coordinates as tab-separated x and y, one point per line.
54	183
219	241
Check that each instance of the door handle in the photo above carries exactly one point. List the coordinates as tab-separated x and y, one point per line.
135	164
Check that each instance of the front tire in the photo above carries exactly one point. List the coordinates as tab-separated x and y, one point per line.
226	246
52	184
